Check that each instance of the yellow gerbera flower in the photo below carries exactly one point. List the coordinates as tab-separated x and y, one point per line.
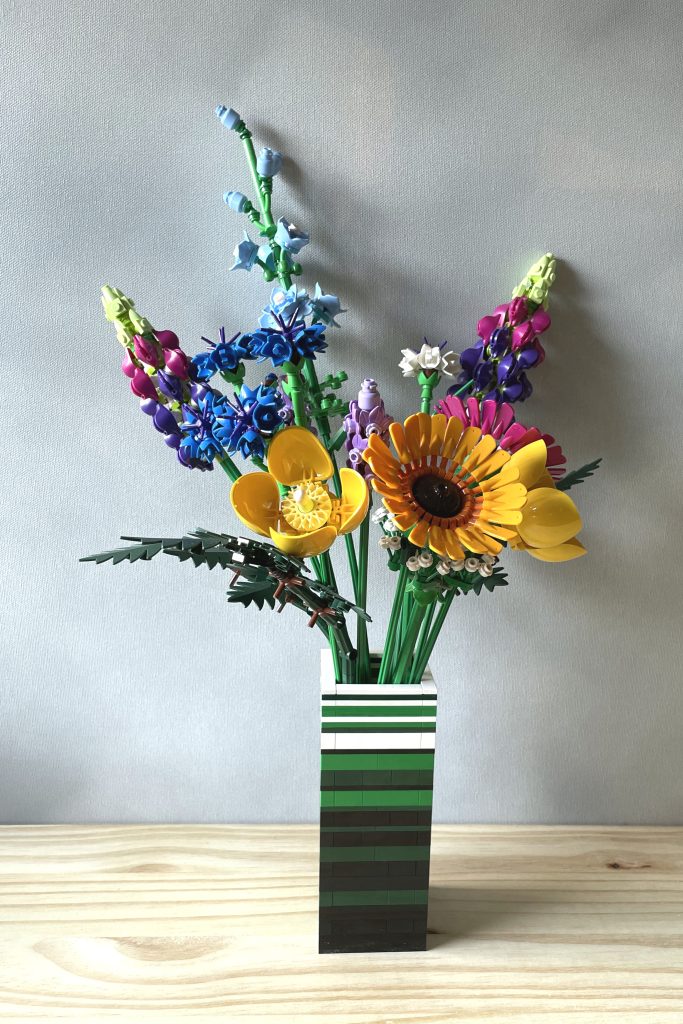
307	518
550	519
453	489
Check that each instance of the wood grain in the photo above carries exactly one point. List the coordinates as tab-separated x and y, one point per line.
194	923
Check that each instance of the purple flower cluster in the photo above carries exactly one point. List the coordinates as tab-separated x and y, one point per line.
495	367
366	416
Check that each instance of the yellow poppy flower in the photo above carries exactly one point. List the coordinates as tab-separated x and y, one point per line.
453	489
307	518
550	519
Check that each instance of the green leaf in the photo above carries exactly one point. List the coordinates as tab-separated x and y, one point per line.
258	592
578	476
144	550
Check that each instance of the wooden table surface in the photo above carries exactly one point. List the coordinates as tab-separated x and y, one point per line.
194	923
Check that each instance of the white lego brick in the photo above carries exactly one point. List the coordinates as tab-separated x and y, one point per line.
328	685
377	719
374	703
379	741
327	741
428	741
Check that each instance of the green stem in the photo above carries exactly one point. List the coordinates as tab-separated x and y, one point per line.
320	568
387	653
408	645
427	382
362	600
226	464
421	662
421	640
296	389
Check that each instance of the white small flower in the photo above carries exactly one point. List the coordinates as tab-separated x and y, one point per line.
457	564
489	559
450	363
390	526
430	357
379	514
425	559
472	564
443	568
394	543
385	543
485	570
413	564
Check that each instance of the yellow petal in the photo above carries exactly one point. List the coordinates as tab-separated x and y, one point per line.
398	436
418	534
507	475
380	459
405	519
512	496
355	498
295	454
256	500
560	553
453	548
437	541
452	436
530	461
549	518
492	464
485	446
438	434
418	428
466	443
302	545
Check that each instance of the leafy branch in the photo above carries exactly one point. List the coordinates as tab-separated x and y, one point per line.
578	475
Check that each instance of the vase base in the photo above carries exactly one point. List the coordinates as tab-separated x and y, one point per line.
372	930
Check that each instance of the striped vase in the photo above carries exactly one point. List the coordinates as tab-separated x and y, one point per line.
377	764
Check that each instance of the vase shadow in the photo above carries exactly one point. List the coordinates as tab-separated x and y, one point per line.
458	912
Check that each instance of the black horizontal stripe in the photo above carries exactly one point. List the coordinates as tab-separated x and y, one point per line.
354	698
368	818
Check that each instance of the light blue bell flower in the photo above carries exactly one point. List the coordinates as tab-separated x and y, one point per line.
290	237
245	253
228	117
326	307
269	162
237	201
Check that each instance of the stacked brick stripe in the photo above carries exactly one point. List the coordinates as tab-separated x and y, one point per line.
377	765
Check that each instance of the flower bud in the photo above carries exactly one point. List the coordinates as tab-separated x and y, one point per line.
128	366
413	564
141	385
269	162
472	564
228	117
237	201
167	339
148	351
177	362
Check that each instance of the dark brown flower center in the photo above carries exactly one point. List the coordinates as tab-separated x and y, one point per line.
438	497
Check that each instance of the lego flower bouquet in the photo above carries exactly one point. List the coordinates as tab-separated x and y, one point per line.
446	492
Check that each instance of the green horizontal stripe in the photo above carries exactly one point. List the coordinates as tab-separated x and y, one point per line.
360	761
392	726
351	710
331	854
374	898
403	798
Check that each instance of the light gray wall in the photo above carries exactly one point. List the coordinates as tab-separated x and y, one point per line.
435	150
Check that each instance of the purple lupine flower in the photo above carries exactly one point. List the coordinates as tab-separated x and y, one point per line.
366	416
495	366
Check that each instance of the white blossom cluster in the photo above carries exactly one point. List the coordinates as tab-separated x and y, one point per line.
430	357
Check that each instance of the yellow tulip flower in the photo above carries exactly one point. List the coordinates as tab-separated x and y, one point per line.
550	519
307	518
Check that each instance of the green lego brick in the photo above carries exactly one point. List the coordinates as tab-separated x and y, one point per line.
330	854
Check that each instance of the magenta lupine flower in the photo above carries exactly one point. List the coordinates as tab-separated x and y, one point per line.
366	416
498	419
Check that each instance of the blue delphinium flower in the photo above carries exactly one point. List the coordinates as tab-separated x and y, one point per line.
245	424
224	356
325	307
290	237
245	253
201	427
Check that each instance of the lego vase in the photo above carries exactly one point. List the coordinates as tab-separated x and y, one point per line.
377	770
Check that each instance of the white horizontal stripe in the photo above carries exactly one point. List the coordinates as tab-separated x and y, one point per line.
327	703
381	741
